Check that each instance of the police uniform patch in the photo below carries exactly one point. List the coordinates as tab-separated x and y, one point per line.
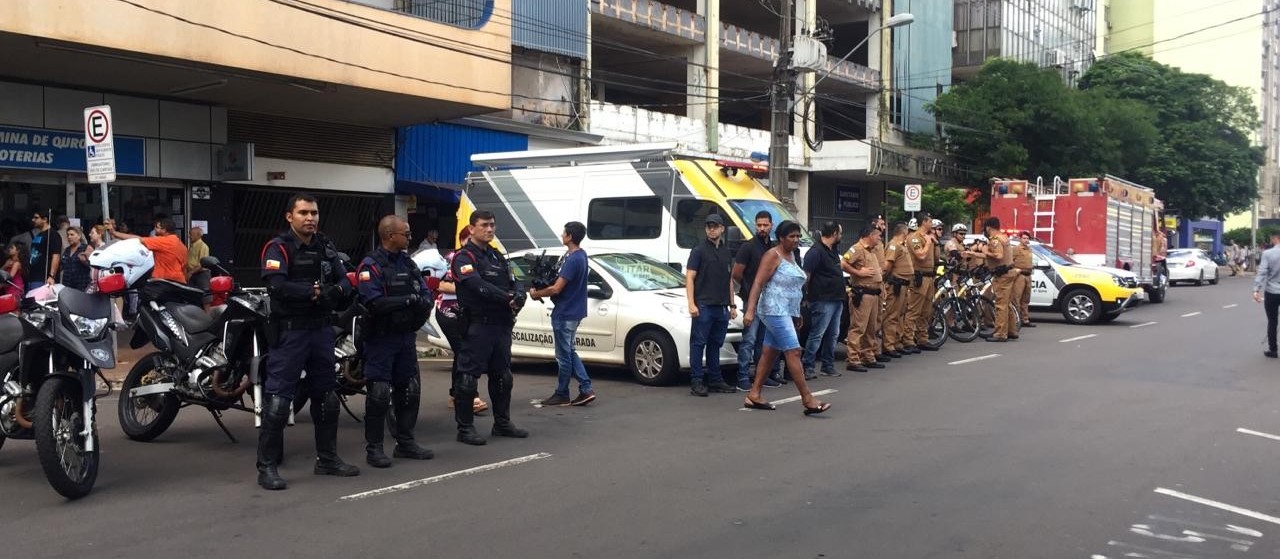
364	276
273	265
467	269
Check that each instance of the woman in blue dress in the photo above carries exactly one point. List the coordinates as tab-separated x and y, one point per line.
775	301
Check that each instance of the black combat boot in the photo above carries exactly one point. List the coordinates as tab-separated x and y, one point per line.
402	423
464	394
324	414
500	393
275	413
375	420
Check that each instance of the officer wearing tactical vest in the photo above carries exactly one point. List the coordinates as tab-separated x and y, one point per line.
898	275
306	282
999	259
491	299
922	245
393	290
1022	284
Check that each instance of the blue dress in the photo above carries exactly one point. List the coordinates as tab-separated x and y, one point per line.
779	302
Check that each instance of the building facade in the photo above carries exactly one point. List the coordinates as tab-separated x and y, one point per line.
1058	34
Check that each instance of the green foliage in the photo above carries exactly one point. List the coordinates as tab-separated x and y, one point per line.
1242	235
947	204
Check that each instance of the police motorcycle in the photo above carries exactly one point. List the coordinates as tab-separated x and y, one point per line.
348	329
208	359
52	355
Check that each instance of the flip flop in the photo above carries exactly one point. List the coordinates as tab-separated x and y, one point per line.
824	406
757	405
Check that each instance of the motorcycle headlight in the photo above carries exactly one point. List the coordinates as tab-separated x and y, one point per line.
677	308
88	327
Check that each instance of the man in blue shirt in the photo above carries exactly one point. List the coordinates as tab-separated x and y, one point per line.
569	293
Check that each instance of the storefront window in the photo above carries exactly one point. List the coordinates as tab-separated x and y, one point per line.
18	198
136	206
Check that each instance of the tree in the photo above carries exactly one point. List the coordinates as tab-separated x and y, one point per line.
1203	162
1244	235
946	204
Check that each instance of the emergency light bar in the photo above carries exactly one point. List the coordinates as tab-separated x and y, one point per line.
730	168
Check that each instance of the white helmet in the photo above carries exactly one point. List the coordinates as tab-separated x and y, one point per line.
129	258
913	224
959	227
937	224
430	263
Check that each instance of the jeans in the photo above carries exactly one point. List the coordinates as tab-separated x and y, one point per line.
1271	303
564	332
706	336
824	324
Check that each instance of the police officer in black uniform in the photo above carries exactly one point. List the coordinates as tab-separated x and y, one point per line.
306	282
491	298
393	290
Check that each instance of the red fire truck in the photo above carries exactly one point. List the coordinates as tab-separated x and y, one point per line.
1102	221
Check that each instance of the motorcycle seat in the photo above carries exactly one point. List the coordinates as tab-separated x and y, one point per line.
216	312
192	318
10	333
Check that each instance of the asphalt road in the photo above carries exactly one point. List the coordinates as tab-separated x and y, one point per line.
1125	442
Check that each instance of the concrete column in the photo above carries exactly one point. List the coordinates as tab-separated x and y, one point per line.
703	84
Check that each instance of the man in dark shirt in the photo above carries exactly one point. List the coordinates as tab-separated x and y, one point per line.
745	266
825	294
708	287
46	253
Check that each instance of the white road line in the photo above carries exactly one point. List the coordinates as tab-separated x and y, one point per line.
1144	324
1217	505
1258	434
984	357
444	477
1078	338
1231	306
795	398
1190	314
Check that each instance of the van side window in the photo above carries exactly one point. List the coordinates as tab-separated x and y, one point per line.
691	221
624	218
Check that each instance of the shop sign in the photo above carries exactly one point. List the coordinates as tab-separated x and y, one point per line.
234	163
848	199
49	150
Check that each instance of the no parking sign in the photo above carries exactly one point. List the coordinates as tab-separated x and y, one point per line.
911	198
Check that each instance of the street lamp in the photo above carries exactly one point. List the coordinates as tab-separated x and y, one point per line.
895	21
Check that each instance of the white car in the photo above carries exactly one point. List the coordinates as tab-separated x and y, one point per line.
1191	264
636	316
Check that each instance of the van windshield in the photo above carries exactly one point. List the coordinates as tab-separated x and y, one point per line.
747	210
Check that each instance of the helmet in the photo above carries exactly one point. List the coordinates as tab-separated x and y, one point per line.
129	258
937	224
959	227
913	224
430	263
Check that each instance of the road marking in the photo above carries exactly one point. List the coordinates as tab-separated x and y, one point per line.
1078	338
1190	314
795	398
1222	506
1258	434
971	360
444	477
1144	324
1231	306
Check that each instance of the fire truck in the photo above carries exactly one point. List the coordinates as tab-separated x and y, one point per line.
1098	221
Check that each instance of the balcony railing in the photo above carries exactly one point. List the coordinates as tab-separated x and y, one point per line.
469	14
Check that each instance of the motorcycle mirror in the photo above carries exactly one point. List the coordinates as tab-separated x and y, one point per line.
210	262
4	276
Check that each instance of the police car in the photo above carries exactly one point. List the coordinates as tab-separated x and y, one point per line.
1083	294
637	316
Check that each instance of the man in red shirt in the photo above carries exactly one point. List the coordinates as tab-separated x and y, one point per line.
170	252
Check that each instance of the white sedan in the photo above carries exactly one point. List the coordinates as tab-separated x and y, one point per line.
636	316
1191	265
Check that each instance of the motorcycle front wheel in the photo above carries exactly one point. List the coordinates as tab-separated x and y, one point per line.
143	418
60	442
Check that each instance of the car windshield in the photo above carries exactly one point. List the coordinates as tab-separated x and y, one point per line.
639	273
747	210
1057	257
1182	253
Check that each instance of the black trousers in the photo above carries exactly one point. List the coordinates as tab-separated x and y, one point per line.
1271	304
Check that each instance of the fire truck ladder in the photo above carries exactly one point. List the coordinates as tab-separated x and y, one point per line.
1046	199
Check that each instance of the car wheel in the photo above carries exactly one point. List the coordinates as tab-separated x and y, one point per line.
1214	281
1081	306
652	359
1200	280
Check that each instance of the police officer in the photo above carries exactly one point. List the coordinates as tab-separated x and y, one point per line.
999	259
1022	283
877	319
922	245
306	282
864	300
491	299
898	273
393	290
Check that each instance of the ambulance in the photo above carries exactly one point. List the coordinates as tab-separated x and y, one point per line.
647	199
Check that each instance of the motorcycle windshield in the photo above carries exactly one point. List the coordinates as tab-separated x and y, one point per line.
83	328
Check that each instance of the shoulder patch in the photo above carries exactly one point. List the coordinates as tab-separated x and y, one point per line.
466	269
364	275
273	265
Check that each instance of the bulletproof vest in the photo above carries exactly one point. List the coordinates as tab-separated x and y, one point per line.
398	281
491	267
306	266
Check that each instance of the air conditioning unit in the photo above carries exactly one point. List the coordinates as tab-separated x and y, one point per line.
1055	58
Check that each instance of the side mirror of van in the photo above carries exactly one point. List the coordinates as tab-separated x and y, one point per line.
733	234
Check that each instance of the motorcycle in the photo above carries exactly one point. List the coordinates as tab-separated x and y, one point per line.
53	353
208	359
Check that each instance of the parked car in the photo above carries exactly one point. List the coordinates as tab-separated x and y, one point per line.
636	316
1192	265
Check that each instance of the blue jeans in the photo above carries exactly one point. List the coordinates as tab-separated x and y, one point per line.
749	352
707	337
824	324
564	332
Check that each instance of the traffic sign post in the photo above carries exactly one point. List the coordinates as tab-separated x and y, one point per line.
911	198
99	151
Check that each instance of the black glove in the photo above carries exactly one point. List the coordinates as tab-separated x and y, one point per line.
334	295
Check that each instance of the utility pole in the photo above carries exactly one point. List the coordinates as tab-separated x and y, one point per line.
782	96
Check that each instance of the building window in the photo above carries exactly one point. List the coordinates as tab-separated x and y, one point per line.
624	218
691	221
469	14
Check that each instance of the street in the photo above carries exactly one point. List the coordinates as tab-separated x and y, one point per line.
1154	435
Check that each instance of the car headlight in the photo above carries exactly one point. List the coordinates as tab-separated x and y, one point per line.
1119	281
682	310
88	327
